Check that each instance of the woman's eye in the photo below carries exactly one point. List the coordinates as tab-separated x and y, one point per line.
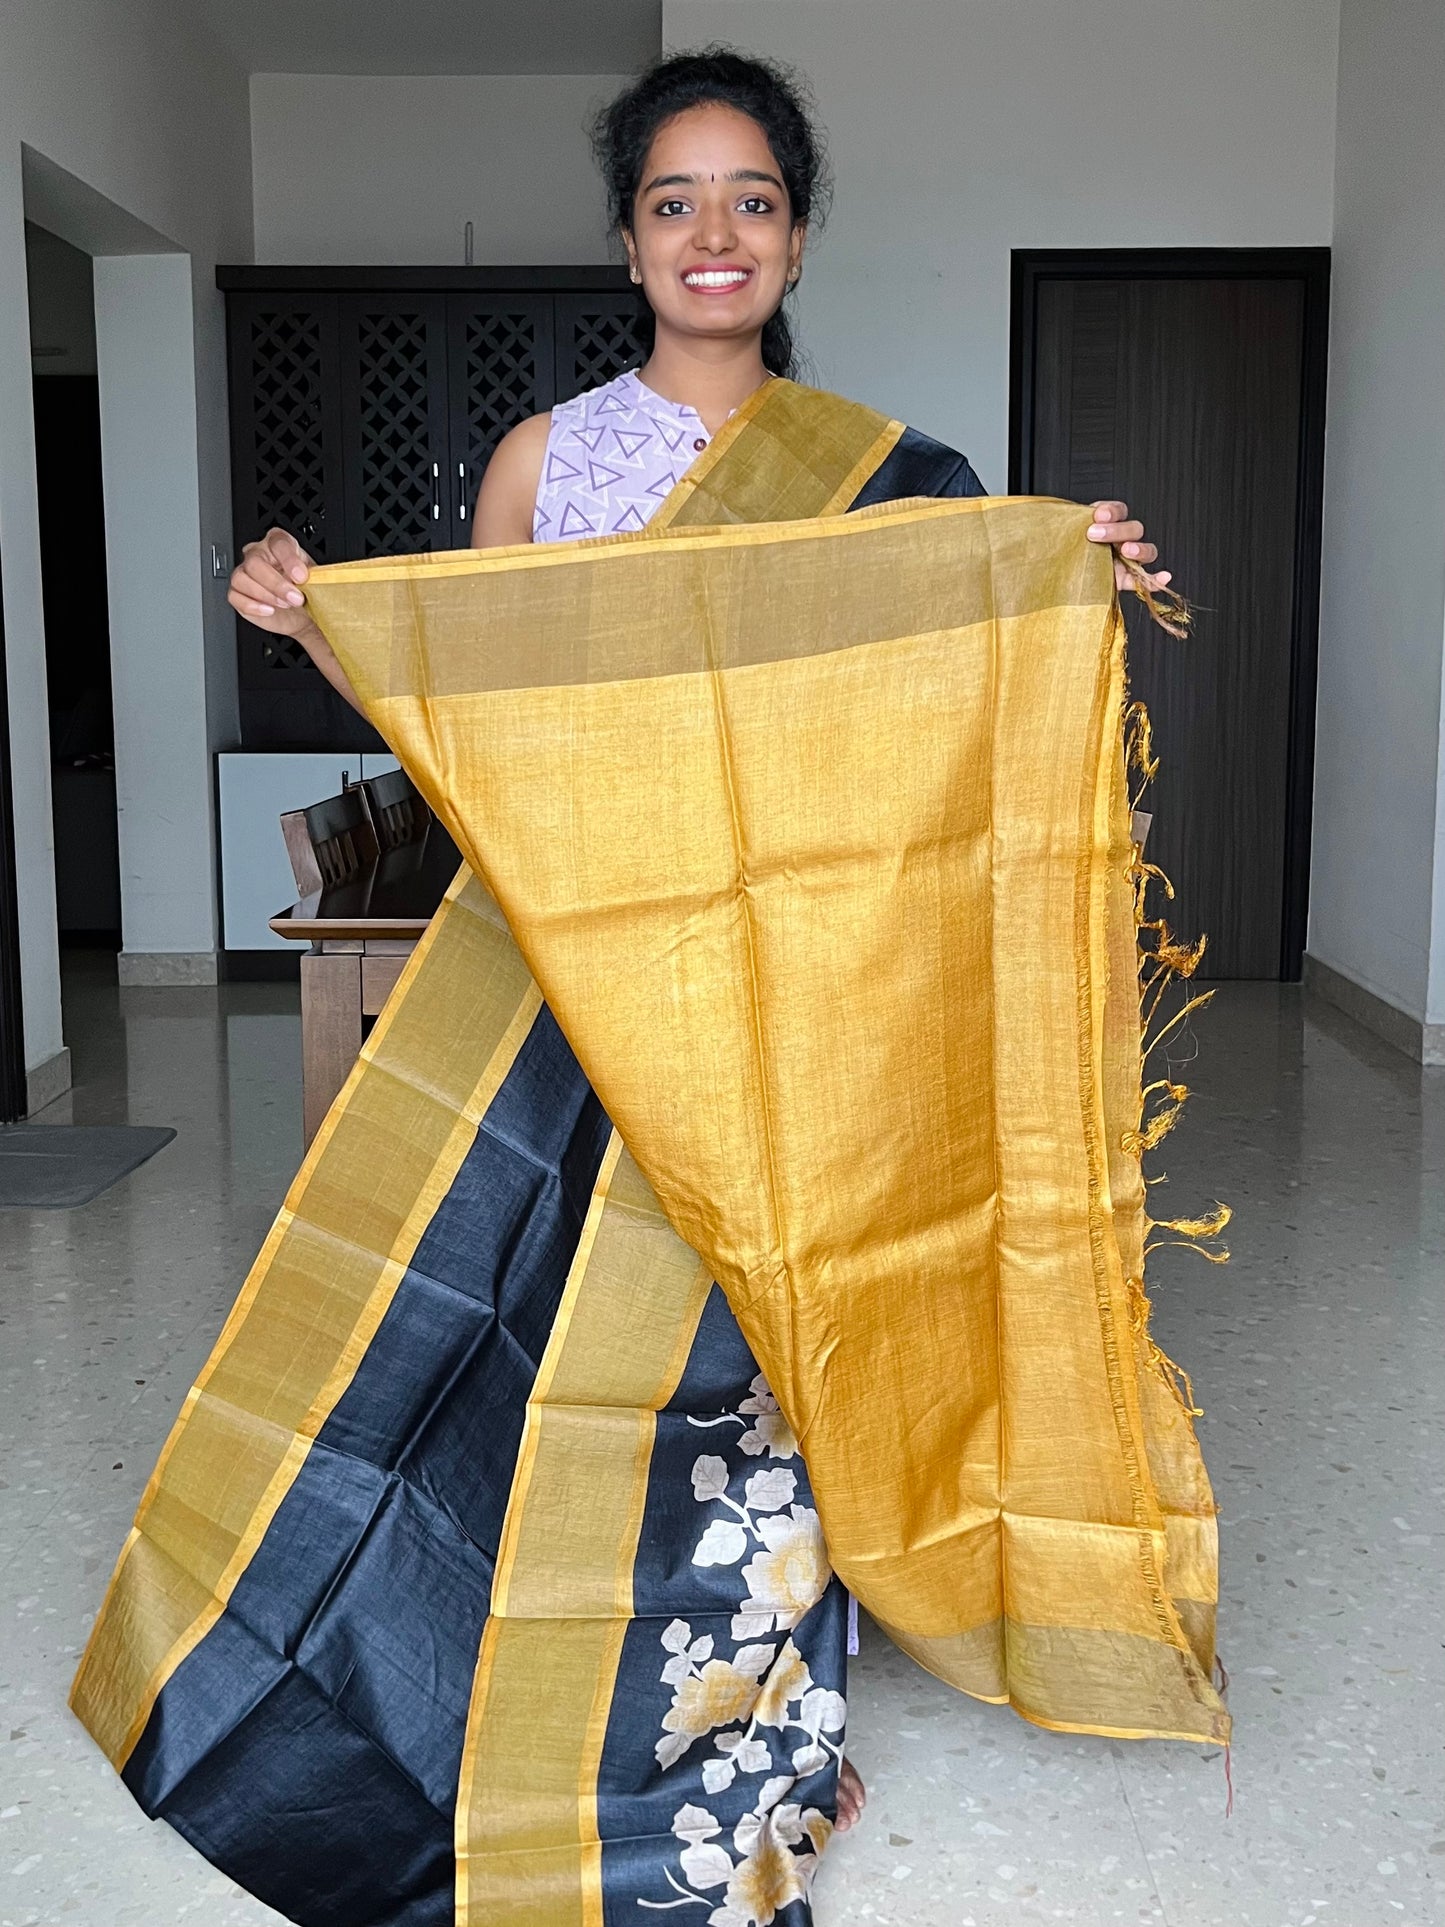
756	204
672	207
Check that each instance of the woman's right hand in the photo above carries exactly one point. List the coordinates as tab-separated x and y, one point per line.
266	585
266	588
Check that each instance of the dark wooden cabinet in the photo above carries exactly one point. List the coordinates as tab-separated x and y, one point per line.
395	422
501	361
286	461
365	405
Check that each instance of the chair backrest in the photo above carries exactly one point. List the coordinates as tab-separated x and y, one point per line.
330	842
398	812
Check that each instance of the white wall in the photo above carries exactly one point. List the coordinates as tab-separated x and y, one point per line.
133	105
960	129
145	326
1378	911
388	170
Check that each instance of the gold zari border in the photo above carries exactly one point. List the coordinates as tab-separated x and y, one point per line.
381	1163
526	1828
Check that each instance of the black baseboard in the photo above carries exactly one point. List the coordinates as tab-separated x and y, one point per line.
90	940
260	966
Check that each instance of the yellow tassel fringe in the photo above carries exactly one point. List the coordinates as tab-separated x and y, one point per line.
1162	961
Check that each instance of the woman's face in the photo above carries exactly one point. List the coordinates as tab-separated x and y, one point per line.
713	233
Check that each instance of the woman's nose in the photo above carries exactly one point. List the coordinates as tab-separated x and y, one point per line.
716	230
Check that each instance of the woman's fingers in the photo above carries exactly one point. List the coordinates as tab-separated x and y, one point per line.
286	555
1116	534
245	587
268	577
1112	525
280	553
1125	579
276	584
256	576
265	589
248	606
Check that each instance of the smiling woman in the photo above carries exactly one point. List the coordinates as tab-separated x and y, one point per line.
438	1549
716	194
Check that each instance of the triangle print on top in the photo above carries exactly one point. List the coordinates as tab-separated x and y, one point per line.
650	443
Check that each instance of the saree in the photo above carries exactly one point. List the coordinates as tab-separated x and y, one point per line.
741	1187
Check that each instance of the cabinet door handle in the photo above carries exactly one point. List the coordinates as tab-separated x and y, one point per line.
436	492
461	491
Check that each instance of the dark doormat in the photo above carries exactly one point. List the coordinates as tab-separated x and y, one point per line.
51	1166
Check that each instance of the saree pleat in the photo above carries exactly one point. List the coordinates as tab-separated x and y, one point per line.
485	1571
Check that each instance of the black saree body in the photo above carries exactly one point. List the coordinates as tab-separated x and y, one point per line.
285	1667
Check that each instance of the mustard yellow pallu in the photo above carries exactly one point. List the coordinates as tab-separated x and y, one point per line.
814	836
816	839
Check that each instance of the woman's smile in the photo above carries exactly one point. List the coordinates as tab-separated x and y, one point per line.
716	280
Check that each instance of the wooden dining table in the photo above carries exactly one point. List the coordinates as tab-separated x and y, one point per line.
359	935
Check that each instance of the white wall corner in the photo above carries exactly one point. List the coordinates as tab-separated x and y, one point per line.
1377	910
130	127
145	351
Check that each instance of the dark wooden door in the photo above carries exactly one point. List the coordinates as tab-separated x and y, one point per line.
1192	396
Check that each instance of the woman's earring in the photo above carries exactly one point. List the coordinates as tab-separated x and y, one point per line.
796	275
632	271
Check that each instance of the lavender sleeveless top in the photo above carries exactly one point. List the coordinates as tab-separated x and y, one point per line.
612	456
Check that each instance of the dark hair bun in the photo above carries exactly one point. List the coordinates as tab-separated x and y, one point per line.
767	93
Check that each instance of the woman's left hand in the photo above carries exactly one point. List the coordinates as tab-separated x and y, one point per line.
1111	524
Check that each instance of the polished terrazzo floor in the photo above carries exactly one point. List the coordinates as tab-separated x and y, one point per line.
1317	1354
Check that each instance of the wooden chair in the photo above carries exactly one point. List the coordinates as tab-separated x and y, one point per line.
378	825
331	842
398	813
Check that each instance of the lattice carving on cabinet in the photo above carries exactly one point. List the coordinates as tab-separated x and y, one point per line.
605	341
281	652
396	454
501	382
286	397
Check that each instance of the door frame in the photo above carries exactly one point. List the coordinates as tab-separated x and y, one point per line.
1311	267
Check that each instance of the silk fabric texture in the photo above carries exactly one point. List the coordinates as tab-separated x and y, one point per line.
816	840
812	831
